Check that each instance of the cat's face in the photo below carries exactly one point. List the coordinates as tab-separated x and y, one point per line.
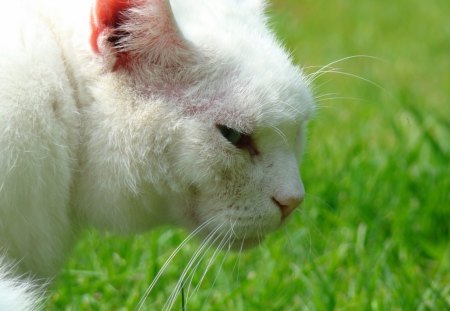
241	163
240	108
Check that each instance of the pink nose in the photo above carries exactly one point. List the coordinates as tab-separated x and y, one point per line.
287	205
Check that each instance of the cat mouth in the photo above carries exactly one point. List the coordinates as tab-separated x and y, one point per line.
228	232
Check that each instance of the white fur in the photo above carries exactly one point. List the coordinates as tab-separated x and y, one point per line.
17	294
84	144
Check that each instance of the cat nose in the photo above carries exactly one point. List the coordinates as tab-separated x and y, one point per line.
287	204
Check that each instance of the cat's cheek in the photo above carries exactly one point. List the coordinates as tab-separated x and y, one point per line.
200	156
239	219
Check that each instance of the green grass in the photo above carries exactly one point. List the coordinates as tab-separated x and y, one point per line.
374	232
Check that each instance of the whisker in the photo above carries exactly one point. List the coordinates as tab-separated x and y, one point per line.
340	98
328	68
279	132
169	304
319	73
353	76
329	65
192	273
211	260
169	260
295	110
238	261
181	282
229	238
325	95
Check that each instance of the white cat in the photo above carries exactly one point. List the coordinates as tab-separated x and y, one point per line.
126	115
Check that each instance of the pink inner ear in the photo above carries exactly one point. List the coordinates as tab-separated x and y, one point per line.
105	15
150	32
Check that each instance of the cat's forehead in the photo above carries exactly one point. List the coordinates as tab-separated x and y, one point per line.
251	103
247	101
278	93
253	82
247	94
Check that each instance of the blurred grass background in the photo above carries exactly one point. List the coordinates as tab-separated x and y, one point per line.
373	233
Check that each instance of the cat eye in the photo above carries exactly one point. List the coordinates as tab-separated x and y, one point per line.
230	134
238	139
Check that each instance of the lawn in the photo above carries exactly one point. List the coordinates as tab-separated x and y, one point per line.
374	232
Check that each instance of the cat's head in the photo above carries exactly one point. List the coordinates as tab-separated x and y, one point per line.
240	106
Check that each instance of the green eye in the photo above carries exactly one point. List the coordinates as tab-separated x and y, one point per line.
230	134
238	139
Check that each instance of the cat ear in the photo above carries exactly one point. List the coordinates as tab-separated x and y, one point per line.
136	31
